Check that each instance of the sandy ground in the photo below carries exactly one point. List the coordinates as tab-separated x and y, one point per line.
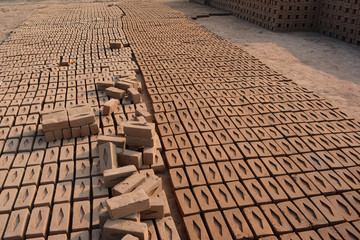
324	65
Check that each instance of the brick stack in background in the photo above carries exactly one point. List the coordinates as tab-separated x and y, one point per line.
334	18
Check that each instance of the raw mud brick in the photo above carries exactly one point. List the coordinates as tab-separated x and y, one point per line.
6	161
227	171
82	151
134	95
257	221
97	234
305	183
211	173
55	120
328	233
17	223
31	176
85	130
115	92
178	178
51	155
195	175
26	144
347	231
203	155
82	168
269	238
343	207
129	184
242	169
81	216
49	174
316	161
258	168
350	179
276	219
118	141
115	229
257	191
110	106
182	141
108	158
186	202
289	166
95	169
98	205
14	178
98	187
241	196
162	194
223	196
195	227
217	225
196	140
38	222
158	164
3	222
128	157
237	224
290	187
218	153
169	143
66	171
173	159
67	153
116	175
273	188
63	192
188	157
25	197
129	237
300	161
274	167
295	217
151	230
152	185
139	129
311	212
3	175
11	146
292	236
126	204
36	158
247	150
44	195
320	182
309	235
156	209
7	198
83	235
145	114
82	189
75	132
80	115
353	198
167	229
334	179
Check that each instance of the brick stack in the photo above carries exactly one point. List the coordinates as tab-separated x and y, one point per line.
77	121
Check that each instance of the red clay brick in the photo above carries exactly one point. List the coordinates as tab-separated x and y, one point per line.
222	196
257	222
178	178
295	217
332	214
276	219
273	188
186	202
257	191
343	207
217	226
314	216
195	227
237	224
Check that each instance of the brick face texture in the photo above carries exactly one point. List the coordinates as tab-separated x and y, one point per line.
339	19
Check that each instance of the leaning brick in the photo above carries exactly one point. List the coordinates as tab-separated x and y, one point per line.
156	209
167	226
110	106
134	95
145	114
126	204
115	92
116	229
151	186
128	157
118	141
108	158
116	175
139	129
129	184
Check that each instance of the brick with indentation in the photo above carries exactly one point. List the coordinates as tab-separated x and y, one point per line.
188	156
25	197
274	189
152	185
289	186
302	163
196	176
218	153
14	178
7	200
258	168
331	213
274	167
173	158
353	198
350	179
178	178
316	161
217	225
258	222
115	229
288	165
49	173
195	227
328	233
67	153
38	222
186	202
211	173
237	224
257	191
334	179
222	196
81	216
167	228
205	199
242	169
276	219
347	231
203	155
82	188
346	210
98	187
44	196
227	171
309	210
295	217
108	156
17	223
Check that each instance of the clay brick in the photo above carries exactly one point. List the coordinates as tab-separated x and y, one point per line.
7	198
38	222
302	163
82	188
83	235
205	199
156	209
274	189
290	187
195	175
242	169
66	153
257	191
354	199
6	161
350	179
203	155
97	234
240	194
227	171
276	219
31	176
311	212
309	235
222	196
320	182
289	166
128	157
347	231
107	153
257	221
98	205
344	208
331	213
258	168
211	173
115	92
14	178
195	227
247	150
98	187
139	129
82	168
3	175
128	203
334	179
63	192
3	222
115	229
116	175
44	196
188	156
110	106
295	217
17	224
237	224
173	158
66	171
81	216
25	197
49	174
36	158
328	233
118	141
129	184
305	183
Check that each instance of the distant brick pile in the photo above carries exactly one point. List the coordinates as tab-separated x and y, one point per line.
338	19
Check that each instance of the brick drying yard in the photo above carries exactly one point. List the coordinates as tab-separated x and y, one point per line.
129	120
